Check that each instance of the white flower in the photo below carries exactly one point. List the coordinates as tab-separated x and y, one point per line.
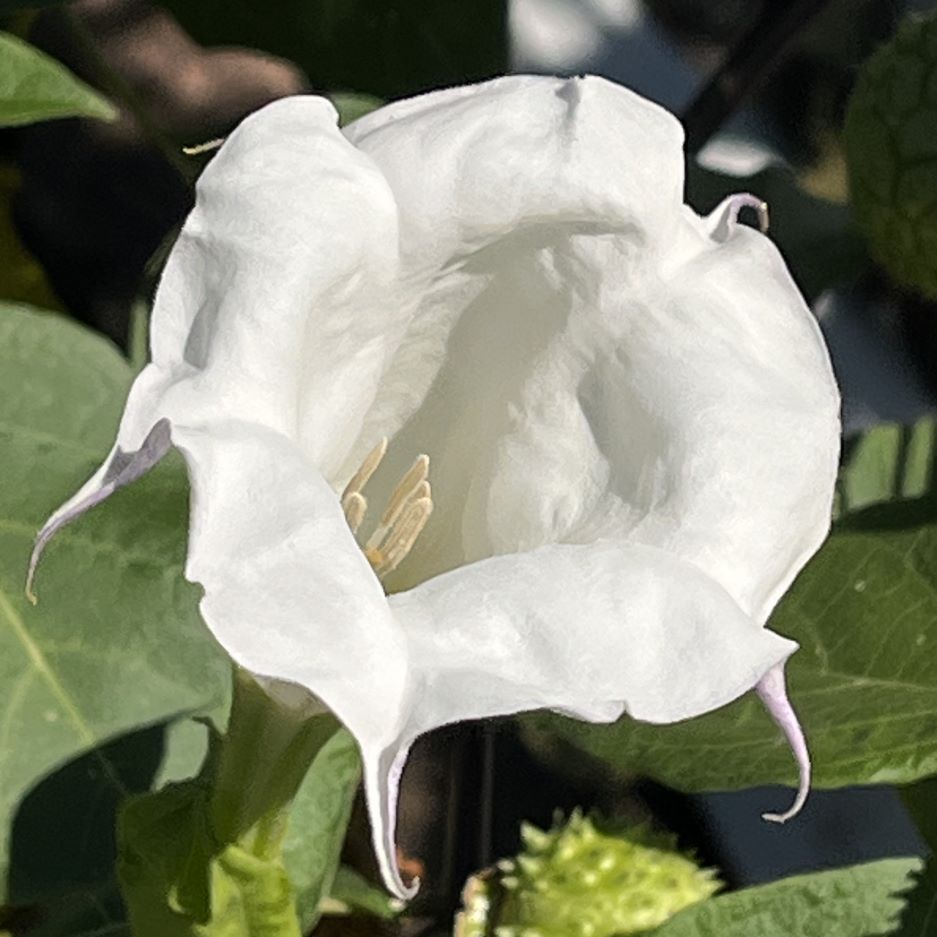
629	413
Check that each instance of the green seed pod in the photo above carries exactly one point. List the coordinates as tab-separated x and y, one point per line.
577	881
891	150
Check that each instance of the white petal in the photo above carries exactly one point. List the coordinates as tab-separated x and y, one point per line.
119	469
279	300
594	630
277	304
698	414
590	631
520	152
288	592
515	161
646	374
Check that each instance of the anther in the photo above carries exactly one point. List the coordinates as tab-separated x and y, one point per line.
407	512
409	524
367	468
408	488
354	506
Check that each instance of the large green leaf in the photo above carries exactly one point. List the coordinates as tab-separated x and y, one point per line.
115	642
860	901
35	87
864	680
389	49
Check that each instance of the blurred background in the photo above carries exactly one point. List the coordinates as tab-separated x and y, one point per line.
88	209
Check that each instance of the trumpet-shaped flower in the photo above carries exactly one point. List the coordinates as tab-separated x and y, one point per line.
480	418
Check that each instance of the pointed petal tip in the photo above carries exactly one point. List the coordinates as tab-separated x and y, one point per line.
383	767
393	880
46	533
803	791
407	893
118	470
773	693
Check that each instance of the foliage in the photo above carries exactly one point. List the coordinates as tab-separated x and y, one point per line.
860	901
890	130
864	680
35	87
887	463
111	681
73	679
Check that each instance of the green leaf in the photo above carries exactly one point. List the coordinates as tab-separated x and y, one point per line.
860	901
920	915
889	132
35	87
352	892
886	463
63	845
864	680
318	821
386	49
816	237
352	106
115	642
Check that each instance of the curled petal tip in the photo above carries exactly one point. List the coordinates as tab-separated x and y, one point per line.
736	203
773	693
726	215
410	891
42	539
28	590
121	469
793	810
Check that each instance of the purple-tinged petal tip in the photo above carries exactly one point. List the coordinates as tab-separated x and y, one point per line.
122	469
773	693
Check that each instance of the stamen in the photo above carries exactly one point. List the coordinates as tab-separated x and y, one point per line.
368	467
405	491
400	539
354	506
407	512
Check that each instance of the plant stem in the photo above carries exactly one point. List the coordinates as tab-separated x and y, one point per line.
263	759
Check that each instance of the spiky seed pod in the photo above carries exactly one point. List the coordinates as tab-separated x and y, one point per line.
891	149
578	881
